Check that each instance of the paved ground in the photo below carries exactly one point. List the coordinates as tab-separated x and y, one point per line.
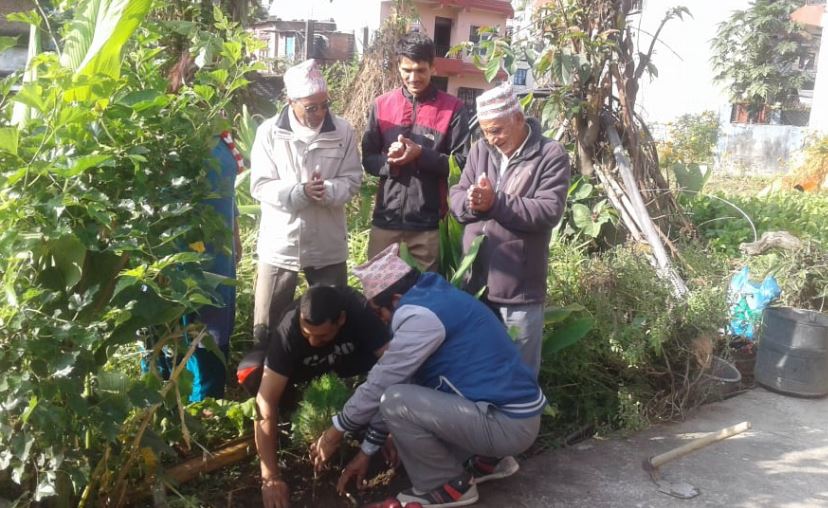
781	462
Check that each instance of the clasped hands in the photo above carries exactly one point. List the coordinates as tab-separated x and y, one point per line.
315	188
403	151
480	197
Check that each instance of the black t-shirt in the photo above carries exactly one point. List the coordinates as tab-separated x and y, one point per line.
350	353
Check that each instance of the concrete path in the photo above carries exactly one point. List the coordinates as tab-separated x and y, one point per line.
781	462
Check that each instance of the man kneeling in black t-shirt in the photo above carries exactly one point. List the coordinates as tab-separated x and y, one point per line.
326	330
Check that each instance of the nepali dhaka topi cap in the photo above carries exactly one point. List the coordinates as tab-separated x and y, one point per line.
304	79
382	271
498	102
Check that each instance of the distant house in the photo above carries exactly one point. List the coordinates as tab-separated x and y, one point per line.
813	17
14	59
286	42
450	22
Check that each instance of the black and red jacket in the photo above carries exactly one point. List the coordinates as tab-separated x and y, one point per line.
415	197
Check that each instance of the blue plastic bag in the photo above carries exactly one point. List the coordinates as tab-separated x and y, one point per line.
747	300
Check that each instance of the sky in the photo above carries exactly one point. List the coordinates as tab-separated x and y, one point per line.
348	14
685	76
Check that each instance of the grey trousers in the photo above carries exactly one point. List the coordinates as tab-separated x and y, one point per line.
525	325
435	432
275	287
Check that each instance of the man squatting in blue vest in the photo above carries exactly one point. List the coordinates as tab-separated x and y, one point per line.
451	388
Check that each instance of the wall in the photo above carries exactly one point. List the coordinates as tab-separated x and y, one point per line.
467	81
13	59
752	149
462	21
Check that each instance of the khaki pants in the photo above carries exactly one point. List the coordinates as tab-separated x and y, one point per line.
424	246
275	287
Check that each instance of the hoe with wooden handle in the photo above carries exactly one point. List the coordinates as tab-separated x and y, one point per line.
684	490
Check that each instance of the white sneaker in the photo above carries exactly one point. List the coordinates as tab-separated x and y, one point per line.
459	492
483	471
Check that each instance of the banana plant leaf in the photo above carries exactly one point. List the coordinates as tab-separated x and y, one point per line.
98	33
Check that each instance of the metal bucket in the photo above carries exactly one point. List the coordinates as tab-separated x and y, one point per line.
720	381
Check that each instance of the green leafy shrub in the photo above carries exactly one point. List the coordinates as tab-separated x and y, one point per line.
691	139
724	227
802	275
101	191
632	366
321	400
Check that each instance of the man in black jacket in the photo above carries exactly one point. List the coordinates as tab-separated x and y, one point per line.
411	133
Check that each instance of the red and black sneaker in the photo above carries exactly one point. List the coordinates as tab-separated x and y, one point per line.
484	469
459	492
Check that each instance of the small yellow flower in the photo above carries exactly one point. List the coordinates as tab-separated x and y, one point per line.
198	247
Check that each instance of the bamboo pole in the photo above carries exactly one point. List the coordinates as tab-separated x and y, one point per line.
618	203
229	454
665	267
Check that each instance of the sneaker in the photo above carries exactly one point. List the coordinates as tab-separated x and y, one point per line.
484	469
459	492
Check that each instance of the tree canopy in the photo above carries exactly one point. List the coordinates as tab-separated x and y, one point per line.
757	54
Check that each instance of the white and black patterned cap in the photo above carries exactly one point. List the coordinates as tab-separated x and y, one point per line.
498	102
304	79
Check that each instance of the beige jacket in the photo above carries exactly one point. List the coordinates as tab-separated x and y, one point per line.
295	232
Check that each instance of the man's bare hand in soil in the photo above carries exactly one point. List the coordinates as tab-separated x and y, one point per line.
275	493
323	449
356	469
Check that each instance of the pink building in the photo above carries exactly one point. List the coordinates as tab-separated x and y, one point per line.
450	22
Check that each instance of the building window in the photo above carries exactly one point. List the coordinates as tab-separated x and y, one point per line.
442	36
474	34
290	47
469	96
520	77
440	82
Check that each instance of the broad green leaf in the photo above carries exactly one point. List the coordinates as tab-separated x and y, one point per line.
210	343
569	333
690	176
406	256
527	100
245	133
68	253
9	138
98	33
144	99
31	95
7	42
80	164
557	314
27	413
205	92
583	191
232	50
492	67
219	76
454	171
29	17
581	215
468	260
